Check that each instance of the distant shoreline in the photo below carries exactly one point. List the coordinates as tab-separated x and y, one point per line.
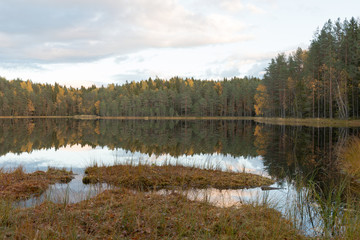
309	122
94	117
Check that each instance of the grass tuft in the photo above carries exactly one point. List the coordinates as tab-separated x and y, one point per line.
350	159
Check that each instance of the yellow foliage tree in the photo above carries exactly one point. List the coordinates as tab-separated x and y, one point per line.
190	83
27	86
144	85
261	100
97	107
30	107
218	88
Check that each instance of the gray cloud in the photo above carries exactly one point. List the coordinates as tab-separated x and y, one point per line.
32	17
137	75
121	58
63	30
258	69
24	65
231	72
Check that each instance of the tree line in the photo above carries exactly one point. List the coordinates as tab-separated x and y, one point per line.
321	82
174	97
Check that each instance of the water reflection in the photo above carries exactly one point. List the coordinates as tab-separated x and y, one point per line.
230	197
149	137
285	153
77	159
284	198
72	192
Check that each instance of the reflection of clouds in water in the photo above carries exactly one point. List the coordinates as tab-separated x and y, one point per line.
72	192
75	156
249	164
280	198
79	157
223	198
216	160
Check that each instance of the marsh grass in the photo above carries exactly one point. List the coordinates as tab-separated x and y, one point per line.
350	158
128	214
326	209
338	209
146	177
124	213
17	184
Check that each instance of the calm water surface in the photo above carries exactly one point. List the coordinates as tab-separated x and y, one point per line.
286	154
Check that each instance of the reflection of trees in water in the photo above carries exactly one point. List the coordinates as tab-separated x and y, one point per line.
291	153
152	137
308	158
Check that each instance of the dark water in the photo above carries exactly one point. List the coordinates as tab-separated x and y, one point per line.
287	154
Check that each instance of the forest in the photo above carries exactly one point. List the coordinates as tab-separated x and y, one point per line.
174	97
320	82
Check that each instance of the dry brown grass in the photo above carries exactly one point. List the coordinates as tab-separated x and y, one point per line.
20	185
157	177
125	214
350	158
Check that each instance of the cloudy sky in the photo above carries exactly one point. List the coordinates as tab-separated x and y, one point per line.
85	42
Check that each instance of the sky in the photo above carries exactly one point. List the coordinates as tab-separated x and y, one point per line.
85	42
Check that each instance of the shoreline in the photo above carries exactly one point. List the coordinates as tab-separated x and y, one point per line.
308	122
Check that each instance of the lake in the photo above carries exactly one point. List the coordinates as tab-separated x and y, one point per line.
287	154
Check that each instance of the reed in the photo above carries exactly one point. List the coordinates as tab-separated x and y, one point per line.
350	158
330	208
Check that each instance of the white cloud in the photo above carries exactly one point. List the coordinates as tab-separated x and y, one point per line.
255	9
235	6
232	5
85	30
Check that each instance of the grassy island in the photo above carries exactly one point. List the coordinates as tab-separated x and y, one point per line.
157	177
17	184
